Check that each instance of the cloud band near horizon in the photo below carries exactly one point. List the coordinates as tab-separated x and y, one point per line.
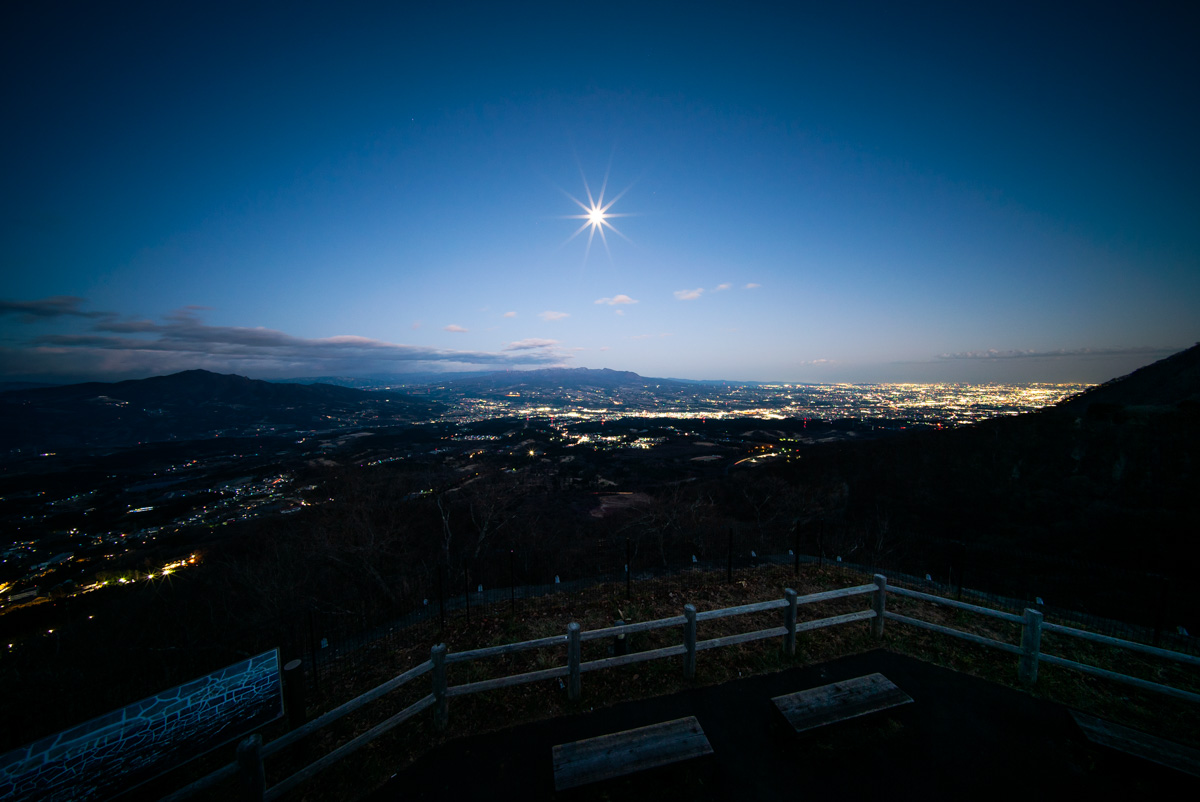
993	353
182	341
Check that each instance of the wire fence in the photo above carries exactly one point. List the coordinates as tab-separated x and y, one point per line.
1137	607
339	648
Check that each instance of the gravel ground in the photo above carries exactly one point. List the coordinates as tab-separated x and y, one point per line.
963	737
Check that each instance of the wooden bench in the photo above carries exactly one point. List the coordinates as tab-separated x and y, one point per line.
620	753
838	701
1140	744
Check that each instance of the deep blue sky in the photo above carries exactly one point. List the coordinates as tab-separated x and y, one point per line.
815	192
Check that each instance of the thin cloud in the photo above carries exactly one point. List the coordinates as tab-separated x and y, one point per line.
454	327
620	312
529	344
549	315
510	314
689	295
721	287
126	326
993	353
751	286
51	307
182	341
616	300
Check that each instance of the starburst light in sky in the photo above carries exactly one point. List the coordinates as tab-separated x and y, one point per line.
596	216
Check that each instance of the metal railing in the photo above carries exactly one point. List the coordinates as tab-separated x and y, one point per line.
251	752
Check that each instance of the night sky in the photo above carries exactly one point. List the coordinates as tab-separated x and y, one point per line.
809	192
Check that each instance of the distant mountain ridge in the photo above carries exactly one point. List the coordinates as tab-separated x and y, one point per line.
186	405
578	378
213	387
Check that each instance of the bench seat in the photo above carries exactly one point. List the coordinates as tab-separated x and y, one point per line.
620	753
1140	744
838	701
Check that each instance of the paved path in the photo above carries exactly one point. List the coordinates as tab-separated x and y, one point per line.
962	737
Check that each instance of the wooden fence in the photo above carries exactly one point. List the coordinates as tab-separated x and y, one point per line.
248	767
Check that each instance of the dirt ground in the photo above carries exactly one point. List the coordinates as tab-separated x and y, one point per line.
963	737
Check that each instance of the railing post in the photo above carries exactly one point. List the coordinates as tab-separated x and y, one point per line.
574	658
441	589
729	558
789	621
293	693
467	592
251	776
312	635
441	705
796	550
1031	646
879	603
689	641
628	569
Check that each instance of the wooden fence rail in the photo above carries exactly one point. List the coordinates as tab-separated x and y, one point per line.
251	752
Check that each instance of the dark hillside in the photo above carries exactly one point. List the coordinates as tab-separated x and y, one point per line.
1109	478
1169	382
196	384
183	406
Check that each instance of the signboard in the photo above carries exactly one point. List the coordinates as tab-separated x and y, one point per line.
110	754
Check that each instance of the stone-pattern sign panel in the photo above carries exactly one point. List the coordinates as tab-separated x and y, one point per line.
114	752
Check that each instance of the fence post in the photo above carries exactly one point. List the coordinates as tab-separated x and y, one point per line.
293	693
1160	614
312	636
251	776
689	641
729	558
574	658
467	592
628	568
441	582
789	621
879	603
1031	646
961	553
441	705
796	550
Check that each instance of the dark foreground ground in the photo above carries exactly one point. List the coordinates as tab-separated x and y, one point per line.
963	737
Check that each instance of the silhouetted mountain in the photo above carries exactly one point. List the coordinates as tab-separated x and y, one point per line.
1166	383
1109	476
187	405
8	386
